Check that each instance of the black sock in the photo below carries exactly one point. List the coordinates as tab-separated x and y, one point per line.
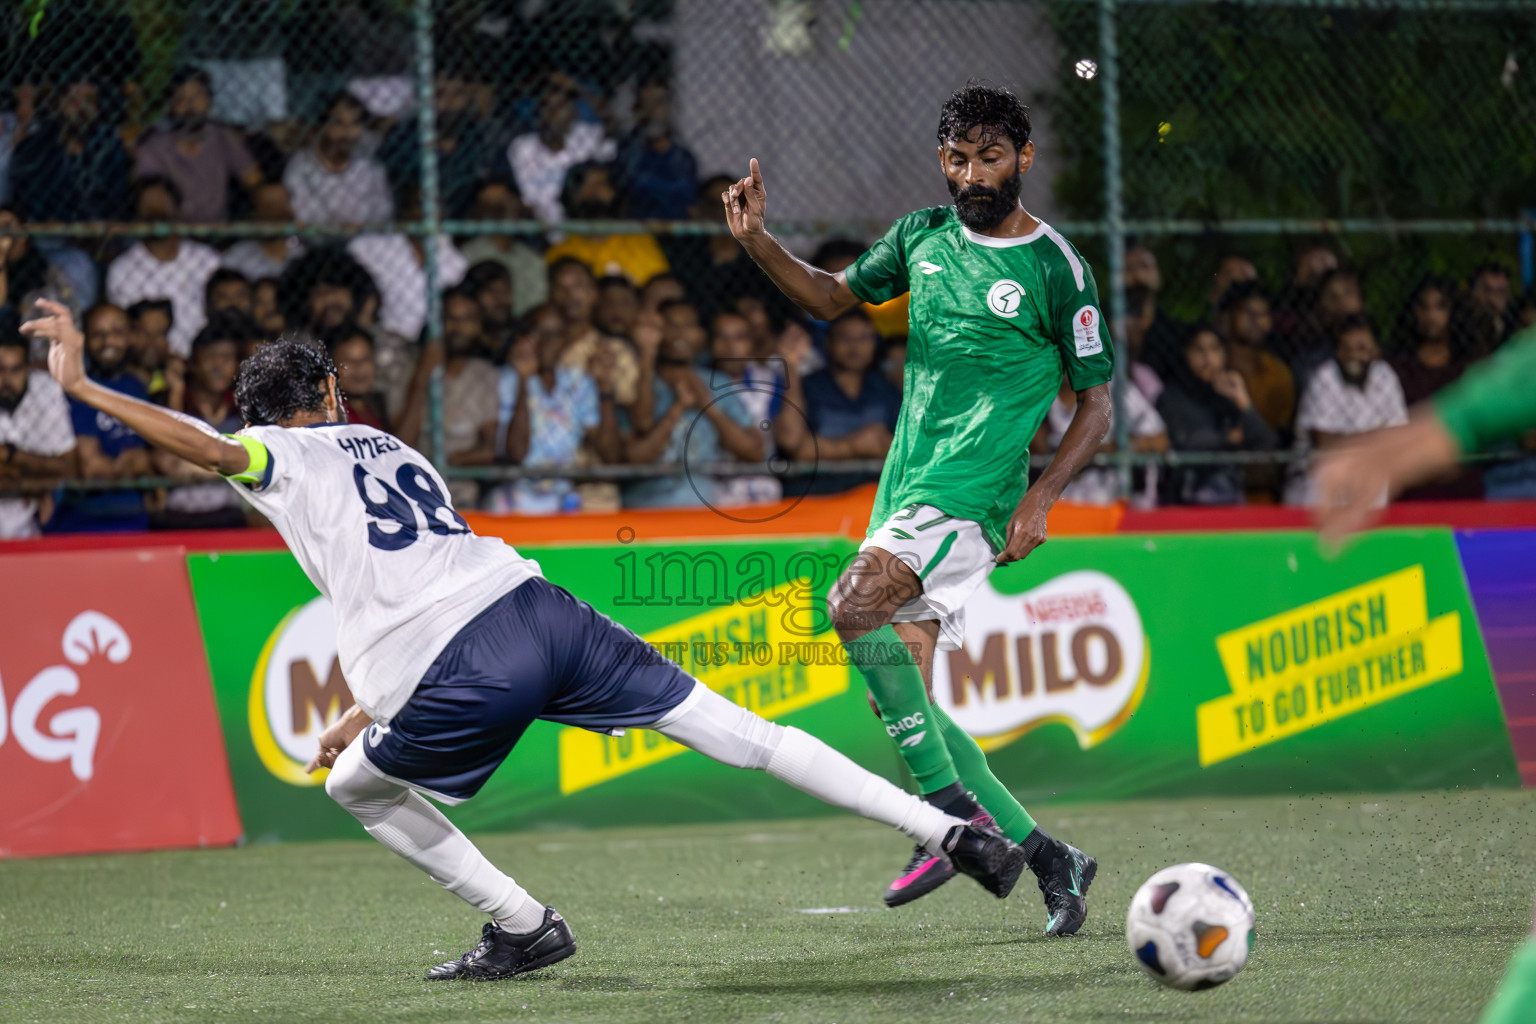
1039	848
955	801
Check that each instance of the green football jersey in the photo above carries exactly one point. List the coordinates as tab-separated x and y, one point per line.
994	323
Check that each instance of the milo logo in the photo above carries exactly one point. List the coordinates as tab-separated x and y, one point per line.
1072	651
297	691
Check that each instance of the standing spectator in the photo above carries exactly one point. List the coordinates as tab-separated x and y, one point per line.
1140	310
498	200
733	368
1246	323
227	290
106	449
36	439
352	350
463	146
470	396
257	258
1351	393
1491	307
1229	271
396	264
847	410
26	276
170	267
199	155
1293	307
491	285
331	182
266	307
1162	343
552	417
1427	356
73	167
573	292
1206	408
690	427
618	307
590	194
660	290
1338	298
205	501
540	159
659	172
149	349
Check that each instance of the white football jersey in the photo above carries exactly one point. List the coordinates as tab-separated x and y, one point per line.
370	522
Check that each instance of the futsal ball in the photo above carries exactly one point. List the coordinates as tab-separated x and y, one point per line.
1190	926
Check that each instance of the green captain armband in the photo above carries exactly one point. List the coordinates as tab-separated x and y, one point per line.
260	468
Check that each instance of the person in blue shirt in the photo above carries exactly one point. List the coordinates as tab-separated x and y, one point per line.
660	174
106	448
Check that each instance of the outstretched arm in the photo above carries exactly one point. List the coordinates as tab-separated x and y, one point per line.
1026	529
180	435
819	293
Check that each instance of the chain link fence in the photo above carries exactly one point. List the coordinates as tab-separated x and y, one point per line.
453	194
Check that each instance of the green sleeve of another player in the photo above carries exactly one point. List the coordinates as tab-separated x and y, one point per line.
1087	353
1515	1001
1493	400
880	274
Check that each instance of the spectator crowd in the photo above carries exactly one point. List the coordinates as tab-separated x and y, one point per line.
564	351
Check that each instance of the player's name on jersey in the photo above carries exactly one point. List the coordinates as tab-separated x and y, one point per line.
362	448
1327	659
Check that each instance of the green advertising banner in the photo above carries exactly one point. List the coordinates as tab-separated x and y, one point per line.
747	619
1099	668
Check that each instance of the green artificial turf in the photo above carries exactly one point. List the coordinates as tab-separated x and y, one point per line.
1397	908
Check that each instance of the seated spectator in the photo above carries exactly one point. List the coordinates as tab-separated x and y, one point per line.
573	292
205	501
895	365
470	395
463	143
1427	356
199	155
1351	393
25	277
266	308
257	258
491	285
1246	323
72	167
1490	308
1141	313
163	268
1292	309
661	289
1162	344
734	369
690	426
227	290
149	350
540	159
397	265
659	173
495	200
37	441
553	417
352	350
1100	485
590	194
836	254
846	411
1338	298
332	182
680	324
618	307
104	447
1229	271
1206	408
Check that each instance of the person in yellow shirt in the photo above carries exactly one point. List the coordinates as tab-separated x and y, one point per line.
590	193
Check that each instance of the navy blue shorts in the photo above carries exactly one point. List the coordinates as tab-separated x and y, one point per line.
537	652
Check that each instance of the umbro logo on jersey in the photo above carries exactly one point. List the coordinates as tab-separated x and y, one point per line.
928	268
1005	297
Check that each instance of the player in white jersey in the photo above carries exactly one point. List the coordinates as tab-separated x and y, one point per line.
452	644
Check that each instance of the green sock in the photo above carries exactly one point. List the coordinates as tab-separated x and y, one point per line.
1012	819
897	684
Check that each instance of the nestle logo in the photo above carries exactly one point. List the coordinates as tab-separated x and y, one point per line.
1066	607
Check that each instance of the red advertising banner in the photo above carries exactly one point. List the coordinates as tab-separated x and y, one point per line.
108	735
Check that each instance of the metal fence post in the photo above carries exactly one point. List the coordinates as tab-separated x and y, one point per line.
1114	229
431	222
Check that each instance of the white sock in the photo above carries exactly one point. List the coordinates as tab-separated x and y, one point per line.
406	823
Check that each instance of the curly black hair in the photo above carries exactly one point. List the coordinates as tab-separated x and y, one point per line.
281	380
993	109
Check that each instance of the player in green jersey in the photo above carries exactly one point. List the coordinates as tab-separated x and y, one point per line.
1491	401
1002	306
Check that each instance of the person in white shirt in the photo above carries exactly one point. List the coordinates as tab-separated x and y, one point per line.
163	268
36	439
330	182
395	262
453	644
258	258
1354	392
540	159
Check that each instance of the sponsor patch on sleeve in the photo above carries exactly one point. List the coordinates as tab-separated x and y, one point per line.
1085	331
